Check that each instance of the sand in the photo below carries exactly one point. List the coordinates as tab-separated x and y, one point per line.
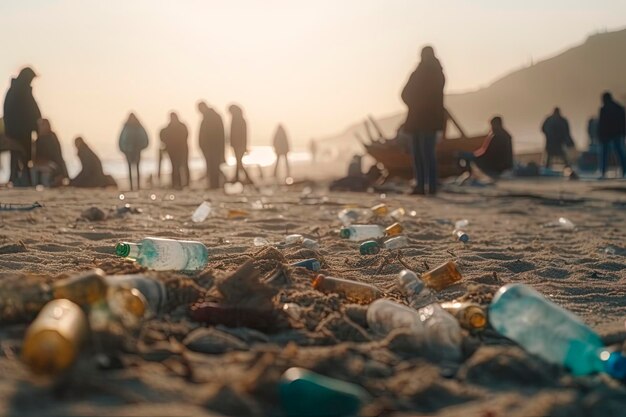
583	270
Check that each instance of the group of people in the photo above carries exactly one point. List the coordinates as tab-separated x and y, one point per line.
423	94
22	118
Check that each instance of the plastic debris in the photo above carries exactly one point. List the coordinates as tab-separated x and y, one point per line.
19	206
545	329
307	394
310	264
471	316
352	290
369	247
442	276
202	212
362	232
460	235
165	254
293	311
261	241
237	214
396	242
397	214
380	210
461	224
394	229
414	289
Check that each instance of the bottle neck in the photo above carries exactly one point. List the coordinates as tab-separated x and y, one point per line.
128	250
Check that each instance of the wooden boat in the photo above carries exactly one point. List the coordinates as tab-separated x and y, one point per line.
394	156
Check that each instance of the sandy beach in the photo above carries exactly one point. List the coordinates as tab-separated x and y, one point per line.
174	367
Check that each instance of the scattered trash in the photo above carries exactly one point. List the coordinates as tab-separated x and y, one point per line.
414	289
380	210
19	206
53	341
261	241
297	239
360	232
372	247
202	212
396	242
93	214
352	290
461	224
152	290
397	214
293	310
305	393
126	209
237	214
165	254
369	247
310	264
442	276
460	235
562	222
543	328
394	230
471	316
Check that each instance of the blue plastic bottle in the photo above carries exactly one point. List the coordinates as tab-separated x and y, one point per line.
551	332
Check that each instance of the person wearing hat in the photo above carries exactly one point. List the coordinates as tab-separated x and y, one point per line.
21	114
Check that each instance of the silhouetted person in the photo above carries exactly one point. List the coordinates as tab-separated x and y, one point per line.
239	139
212	143
48	159
423	95
281	148
558	137
611	132
133	140
21	113
174	136
92	174
495	155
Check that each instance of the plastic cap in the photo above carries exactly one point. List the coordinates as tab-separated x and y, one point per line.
122	249
344	232
616	365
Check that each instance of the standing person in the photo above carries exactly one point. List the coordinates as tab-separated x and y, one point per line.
174	136
21	113
211	139
423	95
611	132
239	139
48	156
281	148
558	137
133	140
91	174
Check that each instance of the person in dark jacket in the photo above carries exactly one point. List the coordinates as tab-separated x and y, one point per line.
611	132
174	136
239	139
212	141
423	95
558	137
133	140
92	174
48	156
281	148
21	113
496	153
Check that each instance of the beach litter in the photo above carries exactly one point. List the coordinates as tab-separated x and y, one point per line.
162	254
20	206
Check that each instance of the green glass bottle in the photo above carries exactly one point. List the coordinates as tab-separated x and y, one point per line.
306	394
370	247
166	254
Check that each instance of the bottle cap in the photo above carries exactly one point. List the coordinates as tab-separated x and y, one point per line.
344	232
122	249
615	365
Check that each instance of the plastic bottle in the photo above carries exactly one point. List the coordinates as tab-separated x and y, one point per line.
152	290
380	210
460	235
442	276
310	264
397	214
352	290
362	232
471	316
294	239
202	212
307	394
434	330
394	229
566	223
261	241
53	341
397	242
414	289
84	289
236	214
545	329
166	254
369	247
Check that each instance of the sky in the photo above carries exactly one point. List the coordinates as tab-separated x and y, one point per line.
315	66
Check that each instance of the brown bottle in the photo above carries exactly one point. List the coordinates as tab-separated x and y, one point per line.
84	289
394	229
53	341
443	276
470	315
352	290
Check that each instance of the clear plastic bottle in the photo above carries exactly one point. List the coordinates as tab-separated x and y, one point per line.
460	235
414	289
397	214
359	232
202	212
261	241
166	254
297	239
551	332
442	276
152	290
433	328
53	341
352	290
396	242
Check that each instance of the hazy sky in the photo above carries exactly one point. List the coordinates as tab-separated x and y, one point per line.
316	66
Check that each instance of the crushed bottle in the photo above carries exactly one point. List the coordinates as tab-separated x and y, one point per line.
471	316
304	393
352	290
460	235
442	276
53	341
545	329
435	332
166	254
310	264
202	212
